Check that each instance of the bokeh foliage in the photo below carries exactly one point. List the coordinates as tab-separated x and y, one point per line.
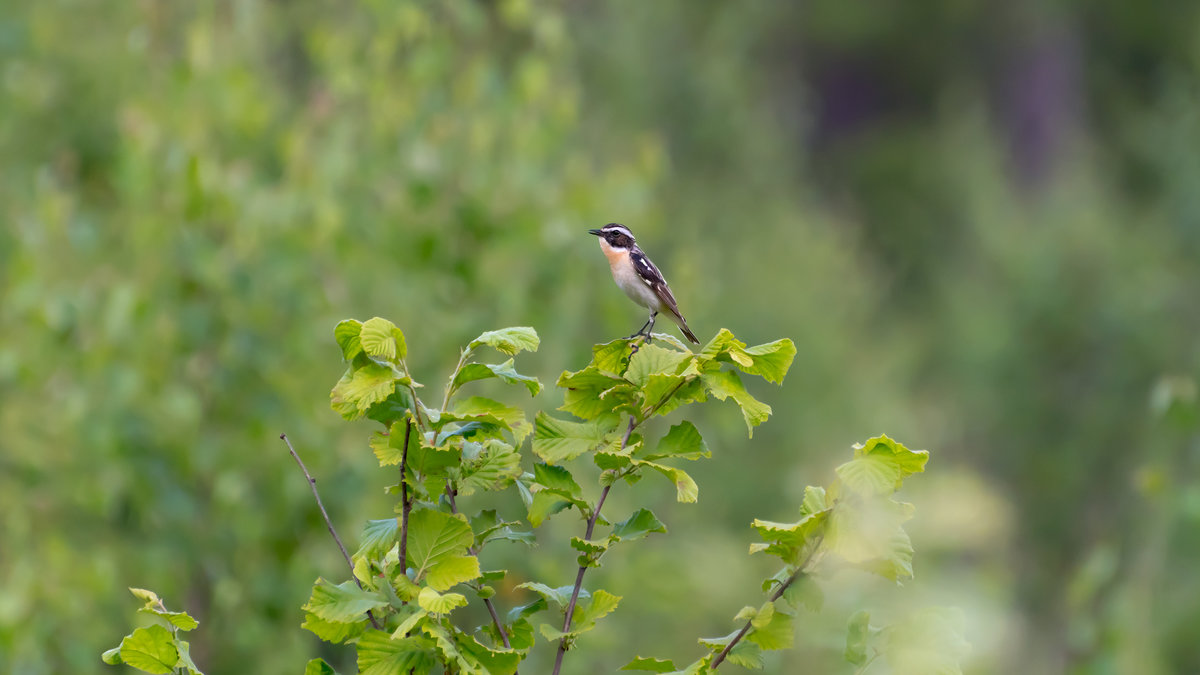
978	223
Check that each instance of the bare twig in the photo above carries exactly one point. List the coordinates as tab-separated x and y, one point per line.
800	571
312	483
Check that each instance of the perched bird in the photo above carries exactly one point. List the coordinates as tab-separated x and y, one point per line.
639	278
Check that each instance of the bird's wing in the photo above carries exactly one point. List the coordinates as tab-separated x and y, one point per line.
654	279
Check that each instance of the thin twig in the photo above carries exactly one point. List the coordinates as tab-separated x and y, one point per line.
800	571
591	525
450	492
405	505
312	483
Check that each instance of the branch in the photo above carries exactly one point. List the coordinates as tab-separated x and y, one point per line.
800	571
312	483
450	492
591	525
405	505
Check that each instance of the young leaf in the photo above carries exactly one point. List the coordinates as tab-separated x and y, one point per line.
452	571
650	665
560	596
772	360
545	504
151	649
586	615
868	534
359	390
494	468
346	333
332	631
857	632
880	466
511	418
683	441
556	441
319	667
612	357
746	654
378	537
343	603
380	654
506	372
510	341
726	384
181	620
651	359
686	490
640	524
773	632
438	603
557	479
380	337
435	537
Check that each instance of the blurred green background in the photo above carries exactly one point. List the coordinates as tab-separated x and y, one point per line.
980	223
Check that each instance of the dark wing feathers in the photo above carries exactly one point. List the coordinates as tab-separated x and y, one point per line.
650	274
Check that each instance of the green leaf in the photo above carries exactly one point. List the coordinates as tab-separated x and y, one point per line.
434	537
683	441
746	654
380	337
508	340
686	490
378	537
380	654
332	631
651	359
726	384
868	534
506	372
771	360
772	630
880	466
494	468
438	603
488	527
545	504
557	479
426	460
650	665
559	596
638	525
359	390
112	656
185	658
344	603
149	597
319	667
806	592
151	649
718	644
346	333
857	632
556	441
602	604
612	357
927	641
511	418
787	540
452	571
589	545
180	620
492	661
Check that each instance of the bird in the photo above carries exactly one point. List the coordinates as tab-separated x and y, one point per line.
639	278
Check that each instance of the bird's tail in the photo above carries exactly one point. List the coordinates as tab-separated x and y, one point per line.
683	327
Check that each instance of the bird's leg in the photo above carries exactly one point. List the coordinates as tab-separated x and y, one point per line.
642	330
650	327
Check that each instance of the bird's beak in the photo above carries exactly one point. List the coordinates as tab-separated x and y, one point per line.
596	232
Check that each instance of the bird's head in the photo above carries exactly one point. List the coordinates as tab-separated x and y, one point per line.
614	236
